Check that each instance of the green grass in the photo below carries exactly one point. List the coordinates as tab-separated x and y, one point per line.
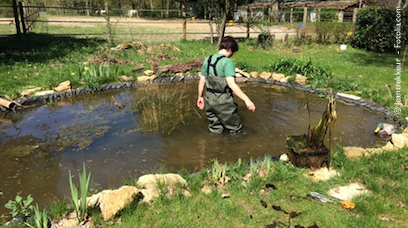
383	174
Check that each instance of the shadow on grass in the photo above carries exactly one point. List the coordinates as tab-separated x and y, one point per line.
366	58
40	48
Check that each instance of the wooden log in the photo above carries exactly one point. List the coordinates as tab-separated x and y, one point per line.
7	104
180	67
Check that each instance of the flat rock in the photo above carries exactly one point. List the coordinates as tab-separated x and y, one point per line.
112	201
265	75
45	92
255	74
353	152
349	96
277	77
146	78
300	79
63	87
148	72
348	192
151	180
322	174
399	140
127	78
389	147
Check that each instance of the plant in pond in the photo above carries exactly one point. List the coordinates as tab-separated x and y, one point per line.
79	198
82	134
41	218
93	76
162	108
309	150
21	208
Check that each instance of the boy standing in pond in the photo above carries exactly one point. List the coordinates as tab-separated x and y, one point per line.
218	76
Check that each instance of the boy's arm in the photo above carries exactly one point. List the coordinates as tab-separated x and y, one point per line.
237	91
200	100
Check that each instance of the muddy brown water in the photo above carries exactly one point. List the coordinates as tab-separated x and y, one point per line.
39	145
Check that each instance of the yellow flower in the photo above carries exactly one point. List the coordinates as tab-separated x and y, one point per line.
73	74
86	68
349	33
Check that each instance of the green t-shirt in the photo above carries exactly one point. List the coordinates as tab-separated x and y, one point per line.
225	67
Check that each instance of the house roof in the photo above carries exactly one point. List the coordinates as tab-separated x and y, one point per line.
319	5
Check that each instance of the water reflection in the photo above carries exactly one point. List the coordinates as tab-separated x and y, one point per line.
39	145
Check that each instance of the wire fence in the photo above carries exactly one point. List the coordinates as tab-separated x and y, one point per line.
151	24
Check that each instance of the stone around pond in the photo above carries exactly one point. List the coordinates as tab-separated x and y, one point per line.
348	192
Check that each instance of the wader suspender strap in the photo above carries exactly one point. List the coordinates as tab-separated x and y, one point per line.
213	65
227	89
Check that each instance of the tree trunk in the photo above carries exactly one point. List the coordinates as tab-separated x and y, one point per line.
151	7
224	21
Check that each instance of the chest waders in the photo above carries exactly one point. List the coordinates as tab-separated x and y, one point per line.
220	108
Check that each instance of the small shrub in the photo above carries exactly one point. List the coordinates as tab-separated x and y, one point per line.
21	208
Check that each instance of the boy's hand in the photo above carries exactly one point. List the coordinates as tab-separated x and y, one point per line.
200	103
250	105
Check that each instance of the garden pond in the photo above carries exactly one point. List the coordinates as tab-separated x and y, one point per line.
39	145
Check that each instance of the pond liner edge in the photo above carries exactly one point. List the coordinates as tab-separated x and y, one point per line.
40	100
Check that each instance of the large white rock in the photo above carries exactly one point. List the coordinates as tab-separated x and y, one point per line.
389	147
348	192
151	180
112	201
399	140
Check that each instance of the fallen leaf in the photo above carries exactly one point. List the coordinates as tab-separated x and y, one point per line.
294	214
264	204
271	187
225	195
313	226
278	208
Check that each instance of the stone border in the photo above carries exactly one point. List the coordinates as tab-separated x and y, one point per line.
43	99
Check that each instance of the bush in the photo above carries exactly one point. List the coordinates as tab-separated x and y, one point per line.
375	29
333	32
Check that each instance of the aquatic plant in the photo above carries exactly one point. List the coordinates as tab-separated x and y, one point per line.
162	108
40	218
79	198
21	208
309	150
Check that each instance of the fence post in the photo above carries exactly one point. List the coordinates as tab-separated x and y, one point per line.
247	24
341	15
184	23
291	15
355	10
304	16
22	17
108	23
318	14
16	19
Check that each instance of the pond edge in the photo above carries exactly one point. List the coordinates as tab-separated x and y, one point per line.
56	96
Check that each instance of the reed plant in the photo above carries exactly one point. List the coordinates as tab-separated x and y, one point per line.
41	218
162	108
79	197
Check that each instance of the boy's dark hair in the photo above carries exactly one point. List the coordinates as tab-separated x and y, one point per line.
229	43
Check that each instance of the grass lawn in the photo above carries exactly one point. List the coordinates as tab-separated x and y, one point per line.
43	60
